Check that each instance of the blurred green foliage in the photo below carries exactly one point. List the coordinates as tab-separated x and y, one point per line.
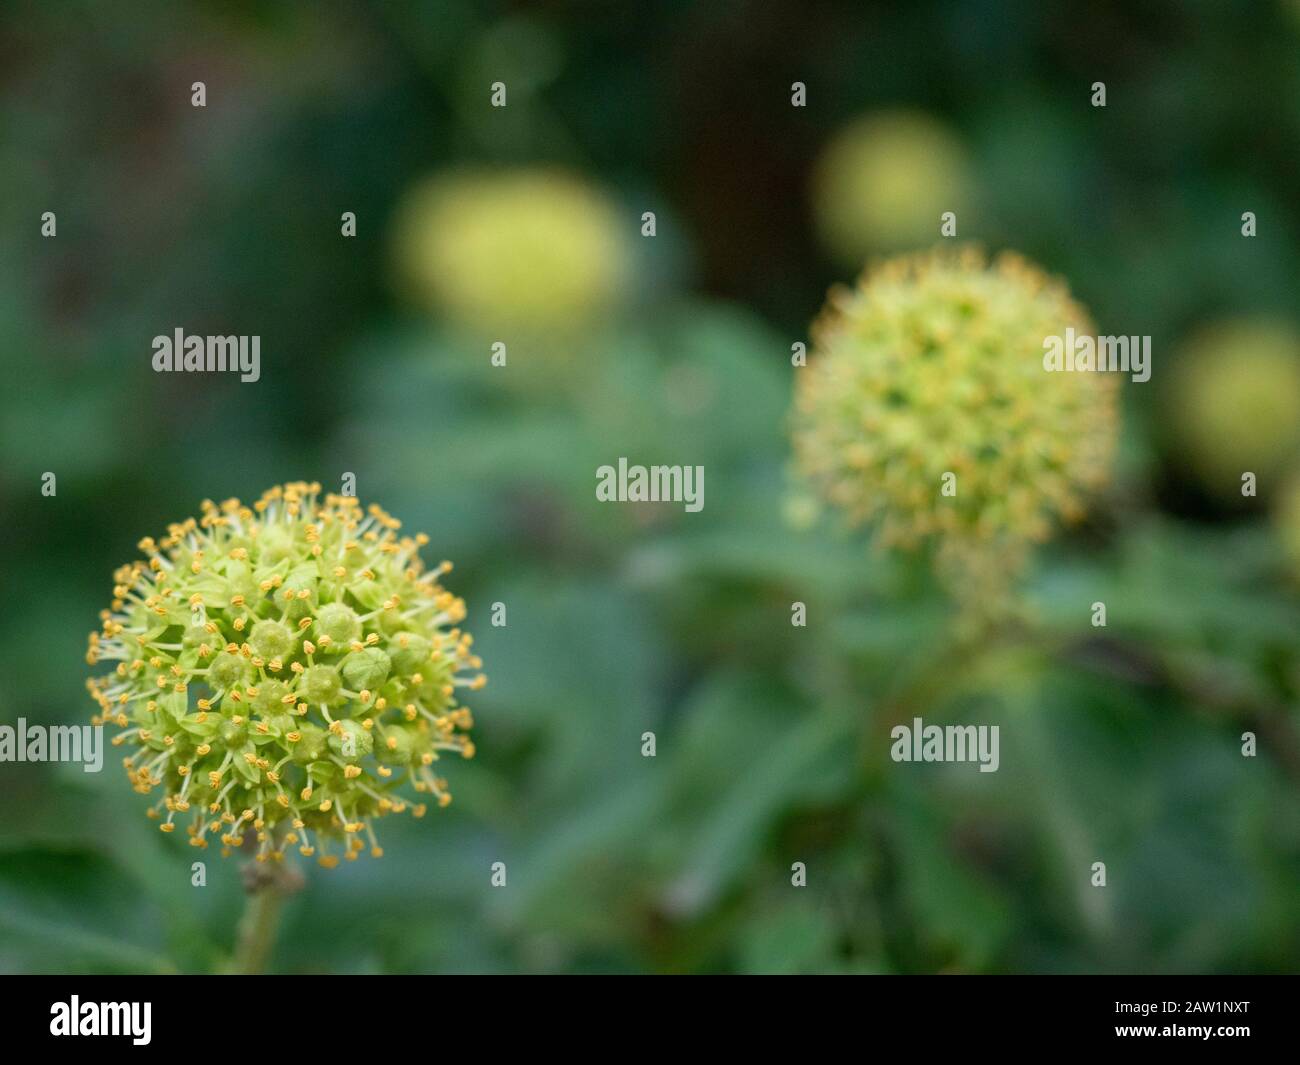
1119	744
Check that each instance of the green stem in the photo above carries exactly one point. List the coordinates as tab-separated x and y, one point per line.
266	887
257	929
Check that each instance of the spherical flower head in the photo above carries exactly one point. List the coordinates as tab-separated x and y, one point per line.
1233	403
283	671
926	410
527	250
884	182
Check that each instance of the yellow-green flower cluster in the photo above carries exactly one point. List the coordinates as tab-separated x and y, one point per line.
524	250
282	670
926	410
885	181
1233	403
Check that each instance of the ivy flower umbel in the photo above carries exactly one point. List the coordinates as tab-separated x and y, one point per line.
283	669
933	365
535	251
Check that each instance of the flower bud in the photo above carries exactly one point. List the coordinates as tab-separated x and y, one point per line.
366	670
321	684
271	639
352	741
340	623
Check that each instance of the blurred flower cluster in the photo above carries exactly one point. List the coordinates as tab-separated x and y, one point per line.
926	410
